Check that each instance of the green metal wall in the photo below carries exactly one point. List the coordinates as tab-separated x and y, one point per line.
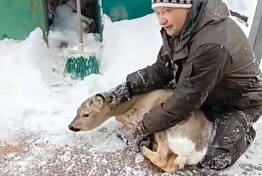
20	17
119	10
126	9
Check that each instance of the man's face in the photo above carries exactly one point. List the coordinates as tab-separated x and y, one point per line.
172	19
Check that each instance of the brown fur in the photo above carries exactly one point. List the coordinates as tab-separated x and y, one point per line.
130	112
89	27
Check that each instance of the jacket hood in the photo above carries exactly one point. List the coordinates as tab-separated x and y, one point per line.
204	12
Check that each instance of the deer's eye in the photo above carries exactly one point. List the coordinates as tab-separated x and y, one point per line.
85	115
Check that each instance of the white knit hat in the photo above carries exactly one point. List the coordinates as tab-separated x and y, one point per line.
172	3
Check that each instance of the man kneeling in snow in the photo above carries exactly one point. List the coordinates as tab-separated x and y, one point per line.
208	58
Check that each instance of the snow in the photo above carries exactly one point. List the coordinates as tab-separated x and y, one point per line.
243	8
36	100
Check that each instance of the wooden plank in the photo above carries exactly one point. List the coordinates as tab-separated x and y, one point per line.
255	36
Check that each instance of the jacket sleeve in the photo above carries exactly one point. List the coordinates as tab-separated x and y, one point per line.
198	77
151	77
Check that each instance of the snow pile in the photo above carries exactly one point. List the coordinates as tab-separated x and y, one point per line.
132	43
31	99
25	76
19	61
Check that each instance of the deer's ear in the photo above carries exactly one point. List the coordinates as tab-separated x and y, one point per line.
99	100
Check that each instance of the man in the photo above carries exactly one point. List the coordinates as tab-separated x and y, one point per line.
208	57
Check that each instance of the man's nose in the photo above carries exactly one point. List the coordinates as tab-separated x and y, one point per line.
162	21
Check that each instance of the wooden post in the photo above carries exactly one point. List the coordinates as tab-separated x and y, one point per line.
255	35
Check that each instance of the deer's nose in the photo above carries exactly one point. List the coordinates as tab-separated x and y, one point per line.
74	129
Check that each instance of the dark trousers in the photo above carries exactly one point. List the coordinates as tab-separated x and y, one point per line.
233	134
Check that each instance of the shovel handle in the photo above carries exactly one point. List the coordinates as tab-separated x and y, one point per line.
78	4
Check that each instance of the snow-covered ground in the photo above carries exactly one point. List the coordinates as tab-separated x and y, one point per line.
34	100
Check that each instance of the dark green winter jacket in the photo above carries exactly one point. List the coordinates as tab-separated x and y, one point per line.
212	63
